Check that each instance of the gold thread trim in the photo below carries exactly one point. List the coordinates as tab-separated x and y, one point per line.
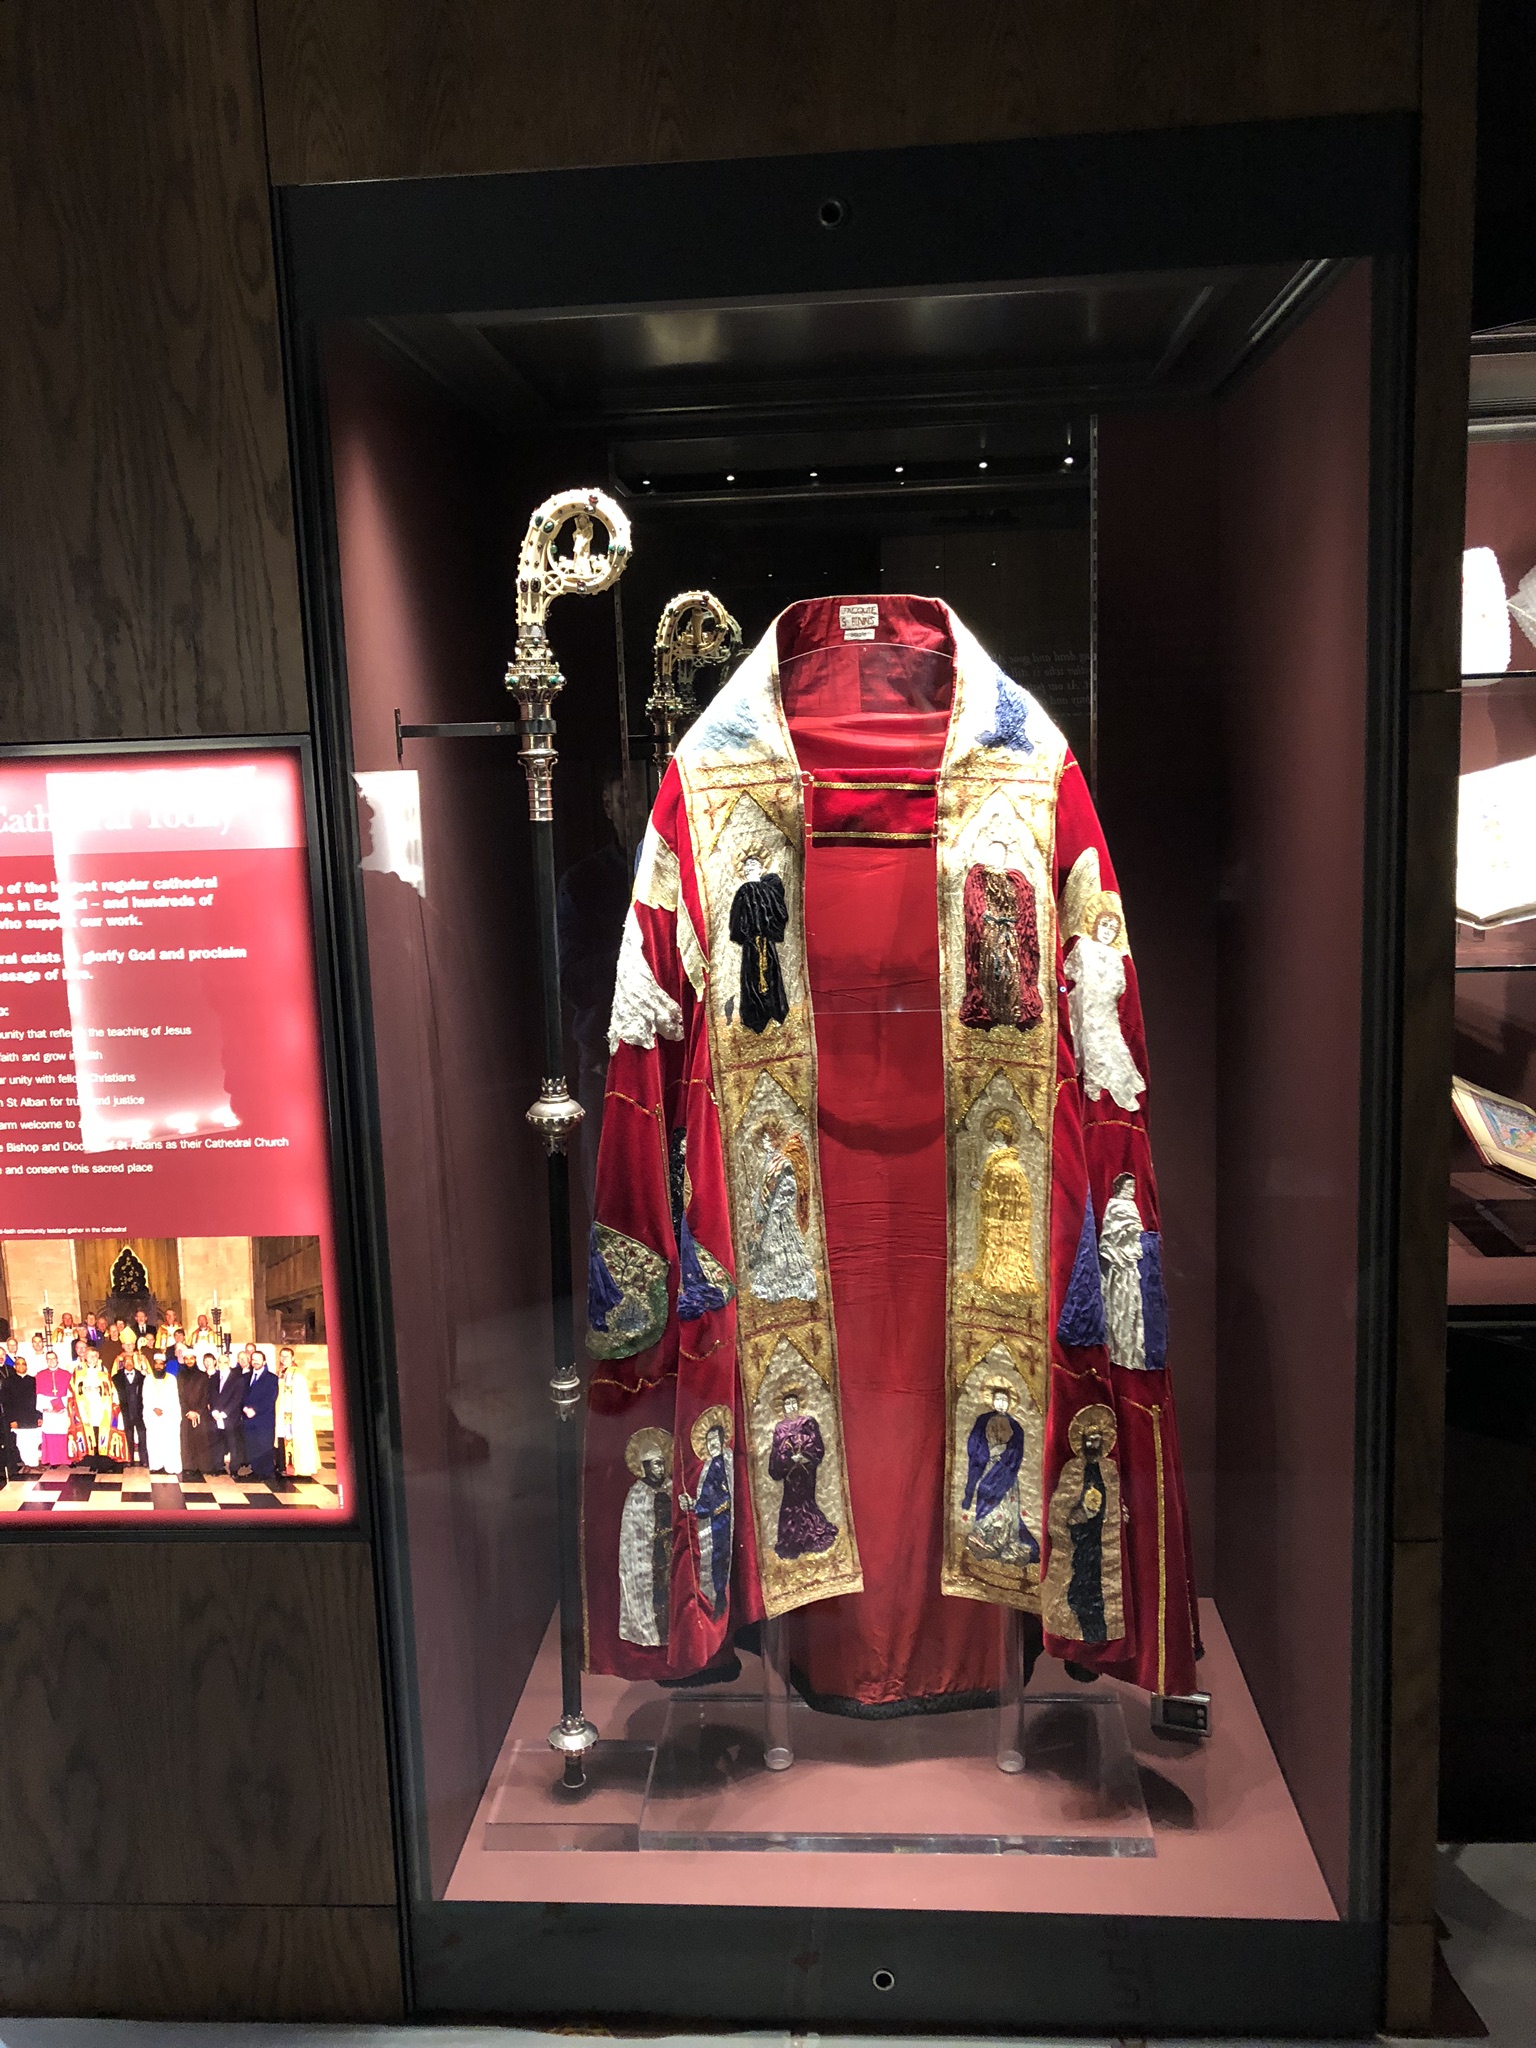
922	788
921	838
1156	1414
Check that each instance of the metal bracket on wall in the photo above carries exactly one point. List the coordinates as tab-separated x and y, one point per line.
480	729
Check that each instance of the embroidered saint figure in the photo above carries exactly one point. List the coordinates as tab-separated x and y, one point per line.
1002	946
645	1540
994	1455
1096	969
1131	1273
711	1439
702	1282
759	920
1120	1272
1082	1597
777	1260
1004	1216
793	1458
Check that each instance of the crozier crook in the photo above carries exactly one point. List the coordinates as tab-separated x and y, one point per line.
694	631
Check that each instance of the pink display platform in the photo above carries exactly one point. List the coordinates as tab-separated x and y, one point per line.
1225	1838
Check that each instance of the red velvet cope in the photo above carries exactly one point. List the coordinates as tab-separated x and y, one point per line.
861	711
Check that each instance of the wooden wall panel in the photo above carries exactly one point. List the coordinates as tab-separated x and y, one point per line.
185	1963
379	89
148	584
195	1724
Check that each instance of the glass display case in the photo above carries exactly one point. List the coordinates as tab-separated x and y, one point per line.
968	847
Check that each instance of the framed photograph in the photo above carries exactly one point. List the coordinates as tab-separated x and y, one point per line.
1504	1131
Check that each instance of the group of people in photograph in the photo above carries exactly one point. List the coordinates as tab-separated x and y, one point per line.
100	1396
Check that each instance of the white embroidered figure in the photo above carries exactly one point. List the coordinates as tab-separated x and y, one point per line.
641	1006
645	1540
1120	1270
781	1210
1096	969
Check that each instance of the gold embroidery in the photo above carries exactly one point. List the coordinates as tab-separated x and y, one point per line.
1156	1413
742	790
902	838
918	788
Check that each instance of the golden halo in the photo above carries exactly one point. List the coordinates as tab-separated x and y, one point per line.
1002	1123
648	1443
1096	1417
719	1417
797	1392
998	1385
1105	904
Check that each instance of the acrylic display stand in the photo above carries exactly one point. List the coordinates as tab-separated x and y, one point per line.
753	1768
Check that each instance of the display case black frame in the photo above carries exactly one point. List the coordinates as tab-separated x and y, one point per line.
1306	191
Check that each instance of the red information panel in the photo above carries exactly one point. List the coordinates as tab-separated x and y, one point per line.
165	1208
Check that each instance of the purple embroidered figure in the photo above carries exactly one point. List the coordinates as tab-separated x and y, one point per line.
994	1453
793	1458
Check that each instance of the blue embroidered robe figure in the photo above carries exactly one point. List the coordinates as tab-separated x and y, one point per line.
778	1263
1085	1522
711	1437
759	920
702	1282
994	1456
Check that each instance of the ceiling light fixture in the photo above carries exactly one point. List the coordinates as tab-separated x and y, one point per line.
981	465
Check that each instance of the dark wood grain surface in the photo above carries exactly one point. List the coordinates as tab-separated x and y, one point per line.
147	575
206	1962
193	1724
376	89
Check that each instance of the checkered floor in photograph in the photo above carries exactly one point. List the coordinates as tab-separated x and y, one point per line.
133	1490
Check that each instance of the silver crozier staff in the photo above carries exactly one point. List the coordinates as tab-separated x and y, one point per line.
533	673
694	631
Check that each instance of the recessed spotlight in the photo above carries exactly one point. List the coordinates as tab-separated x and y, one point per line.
730	475
813	476
1066	461
900	467
981	465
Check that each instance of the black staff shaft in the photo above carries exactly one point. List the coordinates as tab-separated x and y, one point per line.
562	1322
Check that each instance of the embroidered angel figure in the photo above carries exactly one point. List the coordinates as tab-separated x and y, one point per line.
759	920
1002	945
1096	969
781	1211
1004	1216
794	1456
994	1454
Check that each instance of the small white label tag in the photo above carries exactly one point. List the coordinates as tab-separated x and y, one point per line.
858	621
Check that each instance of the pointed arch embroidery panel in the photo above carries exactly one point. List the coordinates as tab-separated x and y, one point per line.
742	792
997	812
